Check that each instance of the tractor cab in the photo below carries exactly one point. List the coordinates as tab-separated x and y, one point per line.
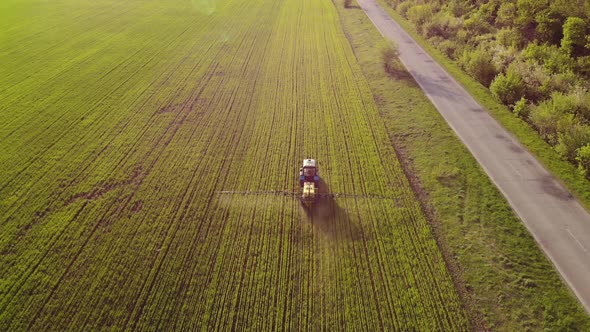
309	173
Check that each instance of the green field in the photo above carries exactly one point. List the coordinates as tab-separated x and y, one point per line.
121	123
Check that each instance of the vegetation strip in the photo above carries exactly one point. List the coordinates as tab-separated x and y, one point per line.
564	170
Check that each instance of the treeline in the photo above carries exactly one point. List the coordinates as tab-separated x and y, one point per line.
533	55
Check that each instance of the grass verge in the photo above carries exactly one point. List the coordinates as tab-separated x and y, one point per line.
504	279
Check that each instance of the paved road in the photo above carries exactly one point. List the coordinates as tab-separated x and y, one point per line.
556	220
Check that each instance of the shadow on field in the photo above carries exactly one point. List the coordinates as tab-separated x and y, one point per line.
328	217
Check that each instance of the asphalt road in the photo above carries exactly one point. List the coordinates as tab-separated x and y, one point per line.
557	221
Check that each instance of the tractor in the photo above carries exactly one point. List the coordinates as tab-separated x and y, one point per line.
309	179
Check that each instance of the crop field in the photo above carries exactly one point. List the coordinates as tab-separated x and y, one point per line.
124	124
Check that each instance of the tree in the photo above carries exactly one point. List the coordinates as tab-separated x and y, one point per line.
548	26
574	35
527	11
567	8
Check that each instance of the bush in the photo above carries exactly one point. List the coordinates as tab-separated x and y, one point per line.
576	103
581	102
574	35
533	77
487	12
583	159
403	7
563	103
508	88
559	62
420	14
479	65
521	108
476	26
450	48
583	66
548	27
550	57
506	14
391	63
458	8
547	119
510	38
503	57
563	82
527	10
442	25
571	139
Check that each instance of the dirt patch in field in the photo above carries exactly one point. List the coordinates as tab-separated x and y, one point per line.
134	178
137	206
169	108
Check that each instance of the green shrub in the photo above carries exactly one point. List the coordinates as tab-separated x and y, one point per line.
476	26
463	36
533	77
521	108
527	11
503	57
487	12
571	139
458	8
574	35
550	57
583	159
583	66
508	88
563	103
479	65
548	29
420	14
562	82
576	102
560	114
559	62
449	47
548	117
391	63
525	21
506	14
510	38
535	52
403	7
581	102
442	25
